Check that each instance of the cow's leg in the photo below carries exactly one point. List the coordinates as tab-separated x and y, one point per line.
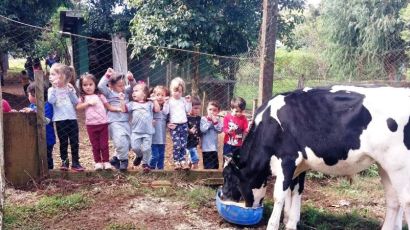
282	187
296	202
279	199
287	206
392	202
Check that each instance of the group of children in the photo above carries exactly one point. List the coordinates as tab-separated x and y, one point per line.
137	119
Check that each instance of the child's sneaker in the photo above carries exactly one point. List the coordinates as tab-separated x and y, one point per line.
64	166
77	167
137	161
107	166
98	166
123	165
146	168
115	162
177	166
195	166
184	165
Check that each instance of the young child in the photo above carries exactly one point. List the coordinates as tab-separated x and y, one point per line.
194	132
117	95
235	126
96	120
6	106
62	96
177	107
211	126
160	123
142	123
24	81
48	112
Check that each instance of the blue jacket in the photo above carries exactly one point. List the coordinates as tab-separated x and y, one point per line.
48	111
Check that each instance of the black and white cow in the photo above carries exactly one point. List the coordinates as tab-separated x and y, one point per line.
339	130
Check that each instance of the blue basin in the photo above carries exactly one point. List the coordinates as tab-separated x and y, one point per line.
237	213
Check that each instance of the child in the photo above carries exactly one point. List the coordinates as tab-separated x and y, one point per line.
117	95
96	119
159	138
48	110
177	107
235	126
6	106
141	123
194	132
211	126
62	96
24	81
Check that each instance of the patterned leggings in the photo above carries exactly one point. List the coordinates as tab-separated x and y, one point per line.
179	137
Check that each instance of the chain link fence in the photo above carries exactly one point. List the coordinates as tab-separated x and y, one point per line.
207	78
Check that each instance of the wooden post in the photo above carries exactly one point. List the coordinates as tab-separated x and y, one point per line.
268	40
203	107
2	173
41	127
195	78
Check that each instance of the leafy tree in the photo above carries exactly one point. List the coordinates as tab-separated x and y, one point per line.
34	12
108	17
405	17
364	37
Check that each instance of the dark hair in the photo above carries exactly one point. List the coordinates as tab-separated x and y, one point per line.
160	87
116	78
89	76
23	72
31	89
215	104
196	101
238	103
146	91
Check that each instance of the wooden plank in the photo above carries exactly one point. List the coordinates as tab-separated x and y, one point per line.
41	126
20	148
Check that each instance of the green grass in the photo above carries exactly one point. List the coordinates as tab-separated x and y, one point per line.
198	197
16	66
122	226
31	216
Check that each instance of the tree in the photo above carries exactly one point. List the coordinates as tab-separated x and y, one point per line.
364	37
405	17
34	12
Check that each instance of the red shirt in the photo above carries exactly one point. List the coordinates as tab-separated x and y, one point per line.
234	128
6	106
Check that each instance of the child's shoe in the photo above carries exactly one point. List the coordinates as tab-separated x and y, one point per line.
137	161
195	166
177	165
77	167
184	165
65	165
123	165
107	166
98	166
115	162
146	168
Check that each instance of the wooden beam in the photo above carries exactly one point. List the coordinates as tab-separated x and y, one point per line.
268	41
41	126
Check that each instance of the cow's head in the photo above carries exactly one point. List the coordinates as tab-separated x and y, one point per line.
247	169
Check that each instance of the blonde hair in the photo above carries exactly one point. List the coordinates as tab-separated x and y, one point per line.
176	83
67	71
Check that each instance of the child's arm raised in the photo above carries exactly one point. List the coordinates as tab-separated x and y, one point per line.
102	85
131	80
51	95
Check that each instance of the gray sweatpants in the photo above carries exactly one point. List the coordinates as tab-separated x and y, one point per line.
141	145
120	135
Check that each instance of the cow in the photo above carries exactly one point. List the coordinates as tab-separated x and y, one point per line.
338	130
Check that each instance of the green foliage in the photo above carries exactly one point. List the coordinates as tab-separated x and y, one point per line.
218	27
199	196
364	37
29	216
372	171
34	12
405	17
297	63
123	226
105	18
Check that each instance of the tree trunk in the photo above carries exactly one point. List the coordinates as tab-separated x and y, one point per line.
195	74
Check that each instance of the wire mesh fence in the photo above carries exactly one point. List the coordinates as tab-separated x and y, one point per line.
130	117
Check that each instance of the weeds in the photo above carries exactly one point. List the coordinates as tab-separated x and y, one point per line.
30	216
198	196
125	226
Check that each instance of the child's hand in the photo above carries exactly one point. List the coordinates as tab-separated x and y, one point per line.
171	126
110	72
26	110
130	76
193	130
91	102
188	98
121	96
70	87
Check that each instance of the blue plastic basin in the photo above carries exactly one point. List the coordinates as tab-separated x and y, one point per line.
236	213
